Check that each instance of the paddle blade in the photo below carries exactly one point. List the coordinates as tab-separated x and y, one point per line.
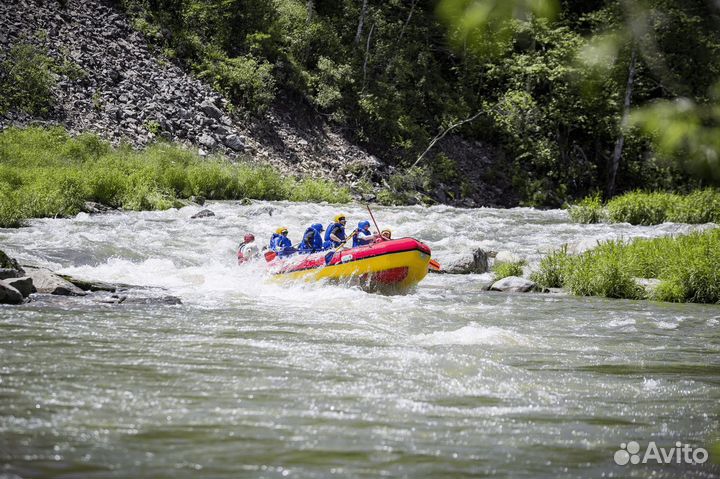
434	265
270	255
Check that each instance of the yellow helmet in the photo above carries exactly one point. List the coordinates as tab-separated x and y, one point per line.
386	234
280	230
341	216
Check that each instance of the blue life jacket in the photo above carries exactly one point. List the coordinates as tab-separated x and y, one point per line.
281	245
312	241
339	230
357	241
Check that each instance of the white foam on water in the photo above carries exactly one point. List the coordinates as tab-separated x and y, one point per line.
473	334
666	325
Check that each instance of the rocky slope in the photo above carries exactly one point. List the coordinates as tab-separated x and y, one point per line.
125	92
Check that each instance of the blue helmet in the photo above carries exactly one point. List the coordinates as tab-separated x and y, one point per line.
317	227
363	225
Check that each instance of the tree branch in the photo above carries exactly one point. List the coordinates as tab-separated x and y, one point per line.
441	135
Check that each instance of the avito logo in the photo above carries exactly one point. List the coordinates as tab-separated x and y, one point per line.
680	454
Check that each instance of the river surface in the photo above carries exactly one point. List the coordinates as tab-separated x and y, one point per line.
251	379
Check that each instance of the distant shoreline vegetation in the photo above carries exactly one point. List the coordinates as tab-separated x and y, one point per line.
46	173
650	208
683	269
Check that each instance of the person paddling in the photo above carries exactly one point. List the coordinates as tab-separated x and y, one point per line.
247	250
312	239
385	235
280	243
335	232
363	236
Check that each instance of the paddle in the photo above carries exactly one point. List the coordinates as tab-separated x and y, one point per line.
373	218
329	257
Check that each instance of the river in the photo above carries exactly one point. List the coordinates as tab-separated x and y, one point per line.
251	379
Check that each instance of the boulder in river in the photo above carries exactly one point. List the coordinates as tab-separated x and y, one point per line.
514	284
6	273
47	282
468	263
9	295
6	262
202	214
87	285
24	285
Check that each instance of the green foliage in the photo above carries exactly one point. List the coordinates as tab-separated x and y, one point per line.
550	273
589	210
503	270
701	206
45	173
27	80
405	187
686	265
245	80
601	272
641	208
317	190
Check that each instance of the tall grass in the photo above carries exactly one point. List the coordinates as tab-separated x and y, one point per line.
643	208
588	210
503	270
688	266
46	173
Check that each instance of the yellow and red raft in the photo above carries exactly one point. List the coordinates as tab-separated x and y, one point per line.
392	265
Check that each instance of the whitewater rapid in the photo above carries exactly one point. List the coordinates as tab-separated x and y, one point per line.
248	378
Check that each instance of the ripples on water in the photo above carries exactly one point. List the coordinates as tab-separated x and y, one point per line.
251	379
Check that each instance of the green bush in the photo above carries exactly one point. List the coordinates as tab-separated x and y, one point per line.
317	190
589	210
550	273
27	80
245	80
639	208
503	270
701	206
601	272
45	173
686	265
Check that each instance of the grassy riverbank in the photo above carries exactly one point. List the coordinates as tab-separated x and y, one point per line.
687	267
642	208
46	173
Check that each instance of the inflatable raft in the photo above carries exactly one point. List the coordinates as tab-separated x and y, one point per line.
392	265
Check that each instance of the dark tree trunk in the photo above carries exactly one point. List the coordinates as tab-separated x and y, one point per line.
617	153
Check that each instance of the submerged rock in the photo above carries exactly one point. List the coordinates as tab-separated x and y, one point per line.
649	285
47	282
94	208
9	295
202	214
166	300
514	284
24	285
469	263
87	285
